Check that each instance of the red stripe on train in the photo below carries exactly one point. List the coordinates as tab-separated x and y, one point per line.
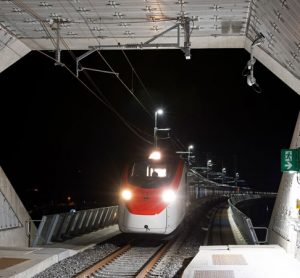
148	201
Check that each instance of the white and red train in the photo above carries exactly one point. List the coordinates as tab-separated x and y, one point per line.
154	195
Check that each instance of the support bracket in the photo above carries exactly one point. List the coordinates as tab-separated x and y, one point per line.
184	23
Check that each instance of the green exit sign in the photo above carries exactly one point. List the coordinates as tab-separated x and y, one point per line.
290	160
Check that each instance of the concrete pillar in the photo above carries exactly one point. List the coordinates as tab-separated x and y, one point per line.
12	51
284	227
14	218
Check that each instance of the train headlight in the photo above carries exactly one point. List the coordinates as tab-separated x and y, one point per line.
126	194
156	155
168	196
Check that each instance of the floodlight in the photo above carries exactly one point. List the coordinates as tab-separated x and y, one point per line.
249	69
259	40
187	53
251	80
159	112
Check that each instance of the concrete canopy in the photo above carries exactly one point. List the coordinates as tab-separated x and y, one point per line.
132	24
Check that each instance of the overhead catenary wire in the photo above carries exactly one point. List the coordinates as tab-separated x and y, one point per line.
179	145
126	57
106	62
41	20
128	89
106	102
100	99
138	77
177	142
43	23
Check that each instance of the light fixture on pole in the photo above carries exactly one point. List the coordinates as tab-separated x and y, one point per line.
189	152
249	69
236	178
208	167
157	112
223	174
190	147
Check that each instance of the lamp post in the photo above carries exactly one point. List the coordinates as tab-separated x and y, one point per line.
223	174
208	165
158	112
189	152
190	147
237	176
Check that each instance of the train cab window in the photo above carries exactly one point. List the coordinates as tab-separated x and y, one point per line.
160	172
146	174
154	174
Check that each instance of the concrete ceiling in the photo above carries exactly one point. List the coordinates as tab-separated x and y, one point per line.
130	24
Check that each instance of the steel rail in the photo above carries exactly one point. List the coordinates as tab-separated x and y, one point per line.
148	266
141	273
87	272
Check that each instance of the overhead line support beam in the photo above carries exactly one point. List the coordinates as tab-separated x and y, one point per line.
185	24
84	55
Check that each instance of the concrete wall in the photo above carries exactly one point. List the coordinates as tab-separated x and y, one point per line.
284	228
17	236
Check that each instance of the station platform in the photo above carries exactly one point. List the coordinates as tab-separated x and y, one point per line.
27	262
242	261
227	255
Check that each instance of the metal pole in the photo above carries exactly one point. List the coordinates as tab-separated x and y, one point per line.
159	111
155	129
57	53
190	147
208	166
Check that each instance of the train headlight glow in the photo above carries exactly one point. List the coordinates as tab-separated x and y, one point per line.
156	155
168	196
126	194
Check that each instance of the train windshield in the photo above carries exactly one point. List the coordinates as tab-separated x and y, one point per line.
146	174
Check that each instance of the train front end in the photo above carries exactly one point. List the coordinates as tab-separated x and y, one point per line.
153	196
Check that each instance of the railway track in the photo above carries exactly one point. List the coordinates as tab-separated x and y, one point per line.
131	260
143	259
219	231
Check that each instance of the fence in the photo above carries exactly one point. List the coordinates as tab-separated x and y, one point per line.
243	222
63	226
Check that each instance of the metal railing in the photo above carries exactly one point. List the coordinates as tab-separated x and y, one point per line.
63	226
243	222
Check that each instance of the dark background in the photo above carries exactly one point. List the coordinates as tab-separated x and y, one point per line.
59	140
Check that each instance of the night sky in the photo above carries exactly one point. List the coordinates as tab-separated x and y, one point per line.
60	139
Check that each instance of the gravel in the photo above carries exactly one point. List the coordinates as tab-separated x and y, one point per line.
75	264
